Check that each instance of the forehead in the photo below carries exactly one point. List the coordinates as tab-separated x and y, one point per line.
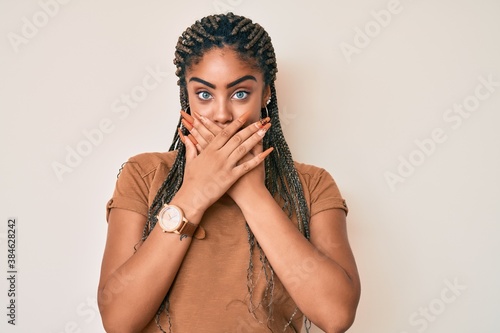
223	65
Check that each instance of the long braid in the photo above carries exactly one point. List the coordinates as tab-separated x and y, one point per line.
282	177
252	43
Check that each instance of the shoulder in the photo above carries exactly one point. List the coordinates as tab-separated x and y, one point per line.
307	169
139	180
319	188
147	170
146	163
309	173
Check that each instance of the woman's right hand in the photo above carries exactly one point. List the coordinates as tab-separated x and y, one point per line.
210	171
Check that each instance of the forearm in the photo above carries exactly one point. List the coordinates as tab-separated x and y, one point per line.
320	287
131	295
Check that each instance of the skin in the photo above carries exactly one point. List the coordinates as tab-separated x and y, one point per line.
225	144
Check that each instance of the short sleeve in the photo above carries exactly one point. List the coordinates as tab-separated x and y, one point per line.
139	181
322	191
325	194
131	191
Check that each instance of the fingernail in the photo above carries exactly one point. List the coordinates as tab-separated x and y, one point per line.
187	116
264	154
181	136
264	121
244	117
193	140
186	124
264	129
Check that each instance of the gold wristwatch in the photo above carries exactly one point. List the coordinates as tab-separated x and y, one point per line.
171	219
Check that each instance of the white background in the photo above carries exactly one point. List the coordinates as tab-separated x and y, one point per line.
358	115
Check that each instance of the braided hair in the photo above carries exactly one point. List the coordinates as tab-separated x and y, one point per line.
253	45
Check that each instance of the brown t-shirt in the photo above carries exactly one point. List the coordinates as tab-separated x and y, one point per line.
210	292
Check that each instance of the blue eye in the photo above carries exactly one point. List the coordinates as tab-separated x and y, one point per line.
203	95
240	94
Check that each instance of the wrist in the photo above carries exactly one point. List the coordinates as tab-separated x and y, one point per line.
193	210
248	199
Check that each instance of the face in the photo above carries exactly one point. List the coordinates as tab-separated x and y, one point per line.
222	87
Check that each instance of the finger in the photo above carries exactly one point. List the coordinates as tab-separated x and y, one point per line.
187	116
189	127
209	125
244	141
228	132
191	151
251	164
195	143
196	138
192	139
187	121
197	129
258	148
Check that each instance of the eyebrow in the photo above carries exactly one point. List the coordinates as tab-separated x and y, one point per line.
241	79
229	85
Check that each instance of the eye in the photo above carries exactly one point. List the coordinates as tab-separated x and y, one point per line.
240	94
204	95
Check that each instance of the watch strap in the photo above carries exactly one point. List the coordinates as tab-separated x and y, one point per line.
188	228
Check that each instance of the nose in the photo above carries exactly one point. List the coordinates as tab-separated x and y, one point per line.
223	113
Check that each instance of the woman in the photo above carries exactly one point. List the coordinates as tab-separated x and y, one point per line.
225	232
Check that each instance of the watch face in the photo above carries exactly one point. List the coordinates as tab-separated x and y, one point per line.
169	218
